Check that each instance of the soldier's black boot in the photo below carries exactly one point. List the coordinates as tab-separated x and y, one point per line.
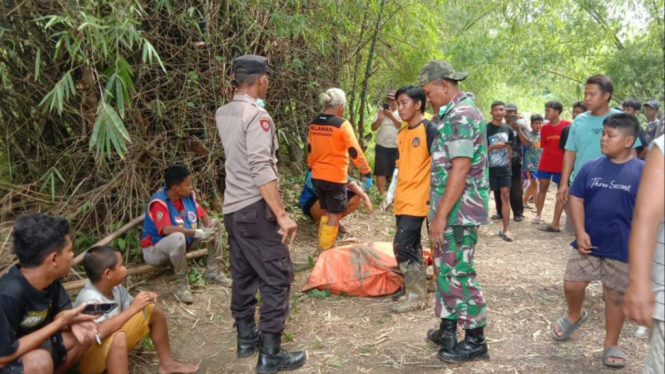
473	347
248	337
272	358
446	336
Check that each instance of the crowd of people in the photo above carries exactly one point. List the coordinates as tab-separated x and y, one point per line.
436	170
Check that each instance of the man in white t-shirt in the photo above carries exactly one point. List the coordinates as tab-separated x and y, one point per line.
388	124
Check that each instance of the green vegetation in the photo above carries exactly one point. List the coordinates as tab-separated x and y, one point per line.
97	97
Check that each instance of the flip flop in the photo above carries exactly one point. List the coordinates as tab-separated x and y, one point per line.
505	237
567	327
548	228
537	221
614	352
496	217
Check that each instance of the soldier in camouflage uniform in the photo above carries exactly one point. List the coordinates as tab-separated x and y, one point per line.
459	196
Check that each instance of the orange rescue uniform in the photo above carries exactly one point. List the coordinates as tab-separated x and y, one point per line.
414	163
331	143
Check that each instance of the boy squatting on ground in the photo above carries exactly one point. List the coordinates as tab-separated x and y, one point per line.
411	183
602	229
39	330
125	326
172	225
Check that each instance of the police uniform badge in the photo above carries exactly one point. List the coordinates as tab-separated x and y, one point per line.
265	124
192	217
415	142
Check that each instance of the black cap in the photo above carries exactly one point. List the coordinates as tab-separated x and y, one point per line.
250	64
653	104
511	106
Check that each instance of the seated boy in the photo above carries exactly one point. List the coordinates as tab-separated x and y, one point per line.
602	200
310	205
172	226
39	330
125	326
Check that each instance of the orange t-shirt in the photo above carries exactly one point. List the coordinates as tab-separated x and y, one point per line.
331	143
414	163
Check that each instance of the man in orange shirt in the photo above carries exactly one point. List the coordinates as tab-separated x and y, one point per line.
412	195
331	143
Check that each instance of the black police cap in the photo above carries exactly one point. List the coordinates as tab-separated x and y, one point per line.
250	64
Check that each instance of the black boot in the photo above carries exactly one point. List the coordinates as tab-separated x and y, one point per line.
473	347
248	337
446	336
272	358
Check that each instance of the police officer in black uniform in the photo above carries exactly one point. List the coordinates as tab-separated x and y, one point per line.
256	222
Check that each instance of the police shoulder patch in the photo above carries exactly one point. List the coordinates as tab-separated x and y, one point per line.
265	123
160	215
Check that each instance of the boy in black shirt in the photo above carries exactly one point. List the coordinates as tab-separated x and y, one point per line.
39	330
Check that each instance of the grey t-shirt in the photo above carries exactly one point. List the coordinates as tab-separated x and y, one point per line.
658	270
90	294
387	133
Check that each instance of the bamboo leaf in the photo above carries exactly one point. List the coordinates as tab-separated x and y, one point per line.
38	63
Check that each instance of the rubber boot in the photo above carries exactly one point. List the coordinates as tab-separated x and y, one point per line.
181	291
272	358
446	336
248	337
473	347
327	236
415	297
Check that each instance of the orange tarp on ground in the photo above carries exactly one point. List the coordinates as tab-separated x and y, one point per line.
364	269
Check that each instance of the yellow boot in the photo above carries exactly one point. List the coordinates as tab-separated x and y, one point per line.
322	221
327	236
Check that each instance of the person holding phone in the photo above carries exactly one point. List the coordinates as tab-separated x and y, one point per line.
40	332
387	124
126	321
500	138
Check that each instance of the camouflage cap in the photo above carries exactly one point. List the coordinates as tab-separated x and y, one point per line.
439	69
653	104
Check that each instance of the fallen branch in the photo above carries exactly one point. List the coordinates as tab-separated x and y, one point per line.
75	285
110	238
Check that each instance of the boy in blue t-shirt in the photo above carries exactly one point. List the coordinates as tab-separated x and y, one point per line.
602	200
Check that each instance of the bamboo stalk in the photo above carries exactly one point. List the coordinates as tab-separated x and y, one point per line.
144	269
110	238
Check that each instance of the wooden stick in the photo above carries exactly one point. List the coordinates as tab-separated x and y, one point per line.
110	238
75	285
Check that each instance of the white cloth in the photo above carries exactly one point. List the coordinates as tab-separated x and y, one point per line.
658	270
387	133
655	362
90	294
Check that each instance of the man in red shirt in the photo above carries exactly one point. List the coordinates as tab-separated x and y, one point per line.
551	162
175	222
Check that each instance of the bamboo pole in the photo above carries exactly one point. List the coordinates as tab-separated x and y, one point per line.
110	238
144	269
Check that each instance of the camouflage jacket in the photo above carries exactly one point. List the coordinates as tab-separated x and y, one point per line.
461	132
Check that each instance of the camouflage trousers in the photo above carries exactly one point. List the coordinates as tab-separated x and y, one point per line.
458	293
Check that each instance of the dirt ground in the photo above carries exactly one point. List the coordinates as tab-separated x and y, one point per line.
522	282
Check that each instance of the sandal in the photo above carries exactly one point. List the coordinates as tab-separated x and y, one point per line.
505	237
614	352
548	228
567	327
496	217
537	221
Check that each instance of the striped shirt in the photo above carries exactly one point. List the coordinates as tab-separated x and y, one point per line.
658	270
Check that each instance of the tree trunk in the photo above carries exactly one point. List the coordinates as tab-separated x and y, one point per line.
368	73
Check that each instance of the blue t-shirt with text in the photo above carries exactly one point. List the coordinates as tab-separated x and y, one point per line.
609	191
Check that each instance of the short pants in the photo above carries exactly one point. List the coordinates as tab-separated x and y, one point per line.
332	196
555	177
384	161
499	182
94	360
54	345
586	268
307	208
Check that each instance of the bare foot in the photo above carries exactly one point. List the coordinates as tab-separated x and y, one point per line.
174	366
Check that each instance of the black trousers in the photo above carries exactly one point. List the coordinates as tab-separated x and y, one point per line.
407	244
516	193
260	261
